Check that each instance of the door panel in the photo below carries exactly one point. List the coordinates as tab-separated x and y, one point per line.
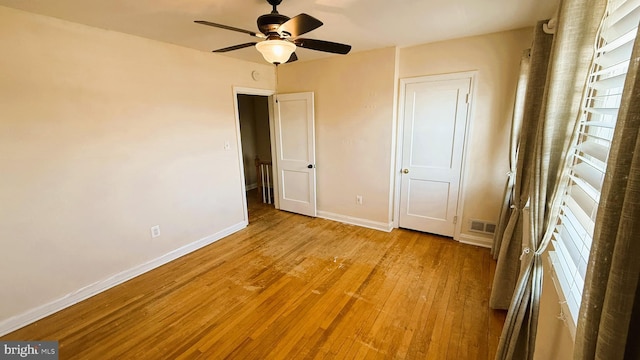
438	192
434	125
295	148
294	129
295	184
432	140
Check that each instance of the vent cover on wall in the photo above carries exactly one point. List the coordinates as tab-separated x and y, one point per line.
482	226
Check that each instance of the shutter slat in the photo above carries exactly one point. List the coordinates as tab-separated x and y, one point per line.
597	166
603	124
610	83
583	232
565	283
621	8
600	136
559	270
568	267
589	174
590	191
598	151
572	243
583	218
622	20
603	111
616	55
583	199
618	68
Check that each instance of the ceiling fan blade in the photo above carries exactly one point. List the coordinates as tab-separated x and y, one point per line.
227	27
299	25
321	45
234	47
293	58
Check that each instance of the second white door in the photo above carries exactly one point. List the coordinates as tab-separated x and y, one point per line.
295	153
434	115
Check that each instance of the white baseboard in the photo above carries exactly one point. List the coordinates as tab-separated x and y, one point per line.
475	240
251	186
387	227
35	314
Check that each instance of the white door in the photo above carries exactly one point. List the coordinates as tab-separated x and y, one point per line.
434	117
295	149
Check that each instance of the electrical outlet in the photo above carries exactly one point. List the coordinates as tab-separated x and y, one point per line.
155	231
359	199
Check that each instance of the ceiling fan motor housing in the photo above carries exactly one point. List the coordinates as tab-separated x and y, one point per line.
269	23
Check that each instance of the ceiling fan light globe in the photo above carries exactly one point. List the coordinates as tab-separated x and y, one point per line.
276	51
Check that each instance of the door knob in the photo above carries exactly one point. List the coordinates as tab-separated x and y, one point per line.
310	166
405	171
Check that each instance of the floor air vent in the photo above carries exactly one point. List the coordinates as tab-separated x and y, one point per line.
481	226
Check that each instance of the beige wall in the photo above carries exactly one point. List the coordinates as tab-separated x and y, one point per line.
355	120
103	135
496	58
354	97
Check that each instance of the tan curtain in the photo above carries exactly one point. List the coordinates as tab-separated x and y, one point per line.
508	266
514	141
571	59
609	320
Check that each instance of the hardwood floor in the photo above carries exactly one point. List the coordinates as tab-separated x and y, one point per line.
293	287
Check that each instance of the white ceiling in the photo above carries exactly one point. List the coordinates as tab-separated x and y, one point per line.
364	24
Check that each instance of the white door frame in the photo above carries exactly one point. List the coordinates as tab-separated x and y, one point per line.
400	141
261	92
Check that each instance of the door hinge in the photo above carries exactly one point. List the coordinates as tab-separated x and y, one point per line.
455	220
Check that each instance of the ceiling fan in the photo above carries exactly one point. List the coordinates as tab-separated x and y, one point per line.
280	36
